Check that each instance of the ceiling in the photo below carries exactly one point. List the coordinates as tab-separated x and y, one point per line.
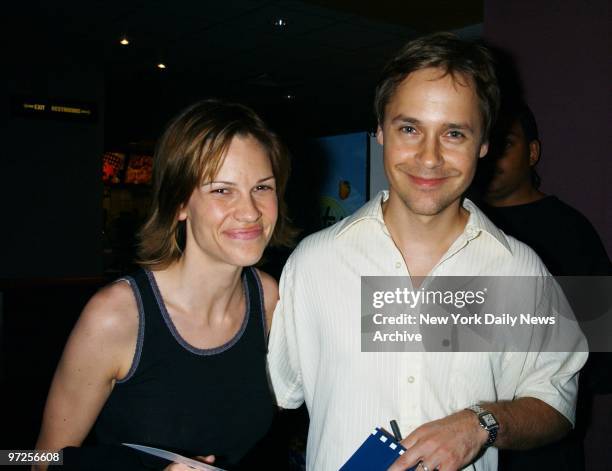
315	75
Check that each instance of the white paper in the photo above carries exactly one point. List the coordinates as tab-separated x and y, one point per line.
174	457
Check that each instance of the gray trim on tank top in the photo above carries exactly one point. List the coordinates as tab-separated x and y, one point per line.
262	306
141	327
177	336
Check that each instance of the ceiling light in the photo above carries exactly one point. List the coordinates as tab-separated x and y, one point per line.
280	22
289	96
124	41
161	65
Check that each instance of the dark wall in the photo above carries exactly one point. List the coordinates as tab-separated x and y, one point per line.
562	50
50	170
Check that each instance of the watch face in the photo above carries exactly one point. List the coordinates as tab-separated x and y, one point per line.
489	420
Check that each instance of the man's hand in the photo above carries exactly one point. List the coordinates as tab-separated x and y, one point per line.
447	444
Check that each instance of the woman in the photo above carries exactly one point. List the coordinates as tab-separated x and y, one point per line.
174	356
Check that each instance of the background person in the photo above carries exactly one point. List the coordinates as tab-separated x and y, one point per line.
564	239
568	245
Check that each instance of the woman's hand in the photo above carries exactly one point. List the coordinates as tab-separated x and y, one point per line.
210	459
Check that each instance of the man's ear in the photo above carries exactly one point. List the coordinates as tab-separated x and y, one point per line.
484	148
534	152
379	135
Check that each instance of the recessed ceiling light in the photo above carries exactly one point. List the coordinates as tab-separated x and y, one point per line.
280	22
161	65
124	41
289	96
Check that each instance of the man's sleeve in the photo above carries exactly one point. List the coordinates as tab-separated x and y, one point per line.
283	355
550	372
552	377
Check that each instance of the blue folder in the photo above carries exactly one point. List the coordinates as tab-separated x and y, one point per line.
377	453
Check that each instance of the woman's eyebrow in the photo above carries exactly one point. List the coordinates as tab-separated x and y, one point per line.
223	182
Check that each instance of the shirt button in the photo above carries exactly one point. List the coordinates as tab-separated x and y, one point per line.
398	265
411	379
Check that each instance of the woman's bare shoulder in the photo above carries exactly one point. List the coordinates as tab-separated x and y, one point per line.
111	313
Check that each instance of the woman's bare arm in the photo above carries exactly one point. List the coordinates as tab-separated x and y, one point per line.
99	350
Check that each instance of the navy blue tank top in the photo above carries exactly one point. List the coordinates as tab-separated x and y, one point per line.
188	400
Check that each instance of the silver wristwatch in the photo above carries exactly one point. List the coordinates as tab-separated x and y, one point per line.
487	421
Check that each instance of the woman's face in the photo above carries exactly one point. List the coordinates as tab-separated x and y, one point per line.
231	219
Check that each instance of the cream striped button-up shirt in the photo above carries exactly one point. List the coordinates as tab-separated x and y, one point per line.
315	343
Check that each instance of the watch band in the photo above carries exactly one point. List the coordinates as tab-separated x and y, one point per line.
487	421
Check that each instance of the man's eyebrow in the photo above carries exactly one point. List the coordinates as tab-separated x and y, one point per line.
462	126
400	118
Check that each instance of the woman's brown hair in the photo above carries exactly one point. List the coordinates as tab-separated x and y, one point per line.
190	151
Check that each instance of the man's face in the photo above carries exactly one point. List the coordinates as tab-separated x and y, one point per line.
432	138
513	164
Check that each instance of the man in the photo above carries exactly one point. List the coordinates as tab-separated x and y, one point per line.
564	239
435	103
568	245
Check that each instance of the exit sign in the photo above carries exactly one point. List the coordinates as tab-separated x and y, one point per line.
44	108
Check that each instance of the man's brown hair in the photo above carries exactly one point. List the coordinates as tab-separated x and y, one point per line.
453	56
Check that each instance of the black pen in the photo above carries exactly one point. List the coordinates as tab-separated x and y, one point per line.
396	431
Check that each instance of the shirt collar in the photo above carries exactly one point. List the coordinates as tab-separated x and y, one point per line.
371	210
477	221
